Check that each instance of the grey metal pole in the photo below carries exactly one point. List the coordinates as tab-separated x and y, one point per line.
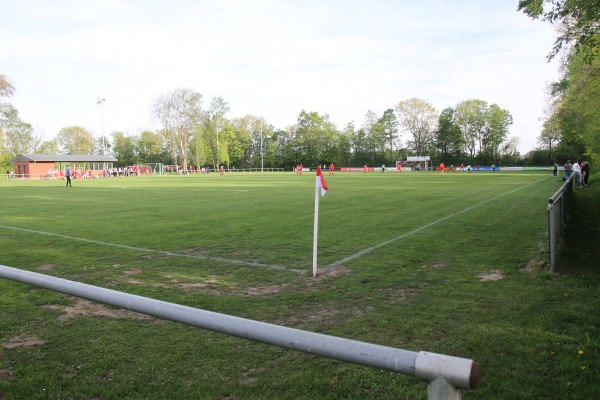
460	373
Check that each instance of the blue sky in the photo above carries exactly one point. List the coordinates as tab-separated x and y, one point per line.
271	58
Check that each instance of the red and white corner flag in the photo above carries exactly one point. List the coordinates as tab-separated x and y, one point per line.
321	182
322	186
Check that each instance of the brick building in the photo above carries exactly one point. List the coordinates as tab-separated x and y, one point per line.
43	166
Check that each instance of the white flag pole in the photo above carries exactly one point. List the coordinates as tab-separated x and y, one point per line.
316	229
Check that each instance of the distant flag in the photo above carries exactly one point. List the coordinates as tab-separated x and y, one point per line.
323	188
321	182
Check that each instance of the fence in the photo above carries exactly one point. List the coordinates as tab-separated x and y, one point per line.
559	207
447	376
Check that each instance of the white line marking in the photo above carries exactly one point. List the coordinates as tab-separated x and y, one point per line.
168	253
370	249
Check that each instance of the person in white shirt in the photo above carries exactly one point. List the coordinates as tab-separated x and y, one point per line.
577	172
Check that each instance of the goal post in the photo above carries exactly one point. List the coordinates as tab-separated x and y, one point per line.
151	168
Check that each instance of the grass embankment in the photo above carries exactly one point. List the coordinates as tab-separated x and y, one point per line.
464	275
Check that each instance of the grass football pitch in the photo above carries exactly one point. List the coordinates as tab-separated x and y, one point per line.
453	264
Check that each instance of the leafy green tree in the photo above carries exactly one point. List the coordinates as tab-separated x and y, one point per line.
179	112
471	119
551	134
7	89
151	147
577	20
124	149
18	135
345	140
76	140
214	123
375	138
495	132
448	137
49	147
314	134
419	118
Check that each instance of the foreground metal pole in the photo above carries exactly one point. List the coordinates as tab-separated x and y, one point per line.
460	373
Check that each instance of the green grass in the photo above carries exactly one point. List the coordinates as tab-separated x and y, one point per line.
400	260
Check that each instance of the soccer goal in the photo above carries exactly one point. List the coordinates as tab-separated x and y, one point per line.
152	168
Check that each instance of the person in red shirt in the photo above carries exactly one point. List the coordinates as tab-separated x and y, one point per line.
222	170
399	167
300	168
442	167
331	169
365	168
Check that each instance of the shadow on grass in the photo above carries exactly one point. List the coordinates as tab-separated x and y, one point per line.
579	251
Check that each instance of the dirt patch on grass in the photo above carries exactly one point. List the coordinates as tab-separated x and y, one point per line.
4	376
266	290
396	295
194	252
46	267
85	308
322	314
534	265
494	275
332	272
135	271
23	341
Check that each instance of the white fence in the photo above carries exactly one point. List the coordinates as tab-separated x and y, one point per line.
447	376
559	207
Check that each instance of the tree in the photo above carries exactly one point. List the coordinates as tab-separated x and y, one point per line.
419	118
214	123
495	132
314	136
388	124
448	138
550	134
125	149
471	119
7	89
374	136
180	113
76	140
18	135
578	21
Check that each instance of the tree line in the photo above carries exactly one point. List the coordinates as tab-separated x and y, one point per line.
192	134
571	127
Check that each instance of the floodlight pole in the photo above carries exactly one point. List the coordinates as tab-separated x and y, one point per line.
261	150
99	102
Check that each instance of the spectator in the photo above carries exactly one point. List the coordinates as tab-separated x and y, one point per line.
585	172
568	170
577	172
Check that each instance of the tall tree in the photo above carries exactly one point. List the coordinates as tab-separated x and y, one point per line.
448	137
179	112
76	140
18	135
314	134
125	149
496	131
214	124
419	118
471	119
388	123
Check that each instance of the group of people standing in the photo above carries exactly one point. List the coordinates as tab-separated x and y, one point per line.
580	171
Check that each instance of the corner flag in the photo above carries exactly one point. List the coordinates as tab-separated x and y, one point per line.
321	182
323	186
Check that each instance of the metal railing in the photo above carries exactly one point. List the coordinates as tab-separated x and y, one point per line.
447	376
559	207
